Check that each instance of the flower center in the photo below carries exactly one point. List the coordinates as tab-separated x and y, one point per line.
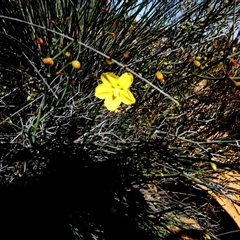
116	92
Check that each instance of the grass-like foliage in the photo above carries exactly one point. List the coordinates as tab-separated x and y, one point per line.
133	173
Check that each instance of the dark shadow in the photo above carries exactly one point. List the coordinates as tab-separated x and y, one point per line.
68	193
96	198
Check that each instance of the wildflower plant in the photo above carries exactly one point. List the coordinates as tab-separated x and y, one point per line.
125	100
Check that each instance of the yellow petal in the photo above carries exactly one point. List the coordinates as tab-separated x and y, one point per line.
112	103
102	91
109	79
125	80
127	97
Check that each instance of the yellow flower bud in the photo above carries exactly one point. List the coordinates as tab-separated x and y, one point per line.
108	62
58	73
182	49
159	76
146	86
67	54
76	64
48	61
126	54
29	98
214	166
207	236
40	41
233	62
197	63
113	35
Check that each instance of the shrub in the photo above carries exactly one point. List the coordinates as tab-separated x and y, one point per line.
183	56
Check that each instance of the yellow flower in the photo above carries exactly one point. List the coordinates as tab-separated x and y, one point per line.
115	90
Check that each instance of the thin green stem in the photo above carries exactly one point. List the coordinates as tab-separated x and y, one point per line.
63	49
100	53
35	126
233	55
226	233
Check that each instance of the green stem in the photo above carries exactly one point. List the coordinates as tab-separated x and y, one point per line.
35	126
210	78
233	55
9	121
221	234
63	49
64	67
65	89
